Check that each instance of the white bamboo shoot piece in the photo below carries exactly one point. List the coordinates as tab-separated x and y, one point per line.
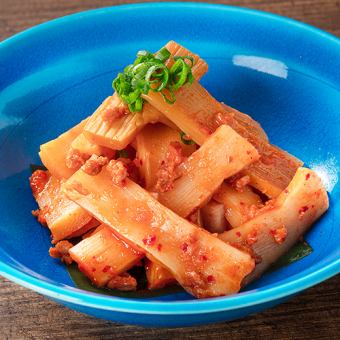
281	222
213	218
274	171
223	154
193	106
64	218
86	147
276	167
118	133
103	255
243	123
152	144
157	275
239	206
53	153
204	265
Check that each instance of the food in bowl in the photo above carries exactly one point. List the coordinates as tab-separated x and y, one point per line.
164	176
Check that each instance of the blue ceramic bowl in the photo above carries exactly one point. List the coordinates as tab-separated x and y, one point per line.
284	73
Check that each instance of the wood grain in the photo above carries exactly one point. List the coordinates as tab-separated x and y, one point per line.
314	314
17	15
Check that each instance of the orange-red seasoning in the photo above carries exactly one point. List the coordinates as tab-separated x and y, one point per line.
184	246
112	113
118	171
150	240
279	234
40	215
94	164
106	269
38	181
203	258
252	237
168	170
302	211
210	278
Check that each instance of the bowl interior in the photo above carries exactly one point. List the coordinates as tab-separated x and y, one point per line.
51	78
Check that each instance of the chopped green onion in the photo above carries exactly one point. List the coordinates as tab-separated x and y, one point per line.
179	70
149	72
163	55
185	139
187	57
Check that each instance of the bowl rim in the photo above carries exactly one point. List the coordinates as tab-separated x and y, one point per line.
138	306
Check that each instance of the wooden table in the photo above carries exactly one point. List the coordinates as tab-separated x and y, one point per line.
314	314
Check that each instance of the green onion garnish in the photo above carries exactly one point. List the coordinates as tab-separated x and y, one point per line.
149	72
185	139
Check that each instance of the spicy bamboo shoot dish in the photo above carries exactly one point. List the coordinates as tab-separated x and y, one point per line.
164	177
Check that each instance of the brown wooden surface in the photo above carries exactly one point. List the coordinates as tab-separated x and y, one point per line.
314	314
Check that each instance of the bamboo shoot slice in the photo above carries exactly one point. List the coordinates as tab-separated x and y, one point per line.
64	218
274	171
222	155
243	123
53	153
200	262
152	144
276	167
200	67
158	276
193	109
88	227
213	218
103	255
281	222
84	146
116	134
238	206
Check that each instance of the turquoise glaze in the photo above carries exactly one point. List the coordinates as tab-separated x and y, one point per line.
283	73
